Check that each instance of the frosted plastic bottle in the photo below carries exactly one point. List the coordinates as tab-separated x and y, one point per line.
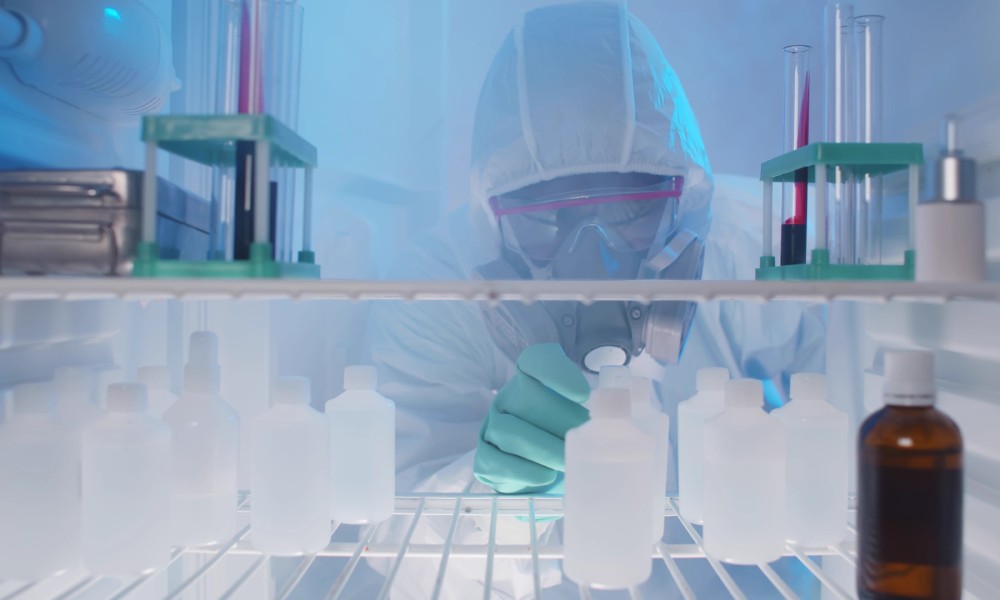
157	382
655	424
289	474
608	496
362	427
77	405
206	449
744	479
39	489
816	461
126	486
708	401
910	463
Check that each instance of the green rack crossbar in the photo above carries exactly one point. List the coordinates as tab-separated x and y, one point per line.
860	159
820	161
211	141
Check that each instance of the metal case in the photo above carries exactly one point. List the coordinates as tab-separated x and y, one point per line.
87	222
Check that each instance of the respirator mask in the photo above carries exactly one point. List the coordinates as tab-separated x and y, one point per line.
617	226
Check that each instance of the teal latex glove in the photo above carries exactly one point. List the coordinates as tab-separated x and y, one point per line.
522	441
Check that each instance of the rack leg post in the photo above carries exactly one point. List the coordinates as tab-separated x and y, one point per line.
768	217
821	216
307	211
914	197
262	194
149	200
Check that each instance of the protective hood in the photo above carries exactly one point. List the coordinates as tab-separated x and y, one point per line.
584	88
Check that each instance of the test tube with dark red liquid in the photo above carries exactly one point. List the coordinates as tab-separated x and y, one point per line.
796	135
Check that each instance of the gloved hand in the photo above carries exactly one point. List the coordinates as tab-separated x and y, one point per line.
521	443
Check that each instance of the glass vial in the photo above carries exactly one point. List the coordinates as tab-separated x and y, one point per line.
608	496
816	489
909	490
362	428
796	135
289	474
840	127
868	209
744	479
691	417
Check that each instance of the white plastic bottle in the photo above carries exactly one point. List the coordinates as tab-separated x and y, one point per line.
126	487
206	449
39	489
744	479
362	426
816	487
77	405
708	401
608	496
655	424
289	474
157	382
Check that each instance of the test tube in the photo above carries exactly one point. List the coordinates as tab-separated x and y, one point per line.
227	15
840	128
796	135
868	49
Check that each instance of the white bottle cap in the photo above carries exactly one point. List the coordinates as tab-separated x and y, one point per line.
201	374
610	403
745	393
613	376
154	378
34	399
711	380
75	380
909	378
360	377
127	397
291	390
808	387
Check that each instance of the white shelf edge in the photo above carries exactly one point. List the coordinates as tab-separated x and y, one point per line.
35	288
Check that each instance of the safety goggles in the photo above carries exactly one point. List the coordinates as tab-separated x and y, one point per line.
548	228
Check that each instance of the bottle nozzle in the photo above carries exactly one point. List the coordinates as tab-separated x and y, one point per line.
951	134
956	174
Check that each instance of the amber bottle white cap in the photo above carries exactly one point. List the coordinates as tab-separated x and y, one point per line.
909	378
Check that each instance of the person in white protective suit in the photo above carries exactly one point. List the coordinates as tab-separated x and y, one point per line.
587	163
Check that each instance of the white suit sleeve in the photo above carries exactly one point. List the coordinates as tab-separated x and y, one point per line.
437	362
764	340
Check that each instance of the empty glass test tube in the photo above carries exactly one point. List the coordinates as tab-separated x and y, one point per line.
840	128
868	211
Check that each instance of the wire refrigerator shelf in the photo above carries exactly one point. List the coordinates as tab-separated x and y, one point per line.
55	288
402	545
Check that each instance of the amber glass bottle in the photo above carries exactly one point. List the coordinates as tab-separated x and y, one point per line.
909	490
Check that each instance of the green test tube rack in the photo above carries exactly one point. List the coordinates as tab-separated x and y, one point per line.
211	141
821	160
